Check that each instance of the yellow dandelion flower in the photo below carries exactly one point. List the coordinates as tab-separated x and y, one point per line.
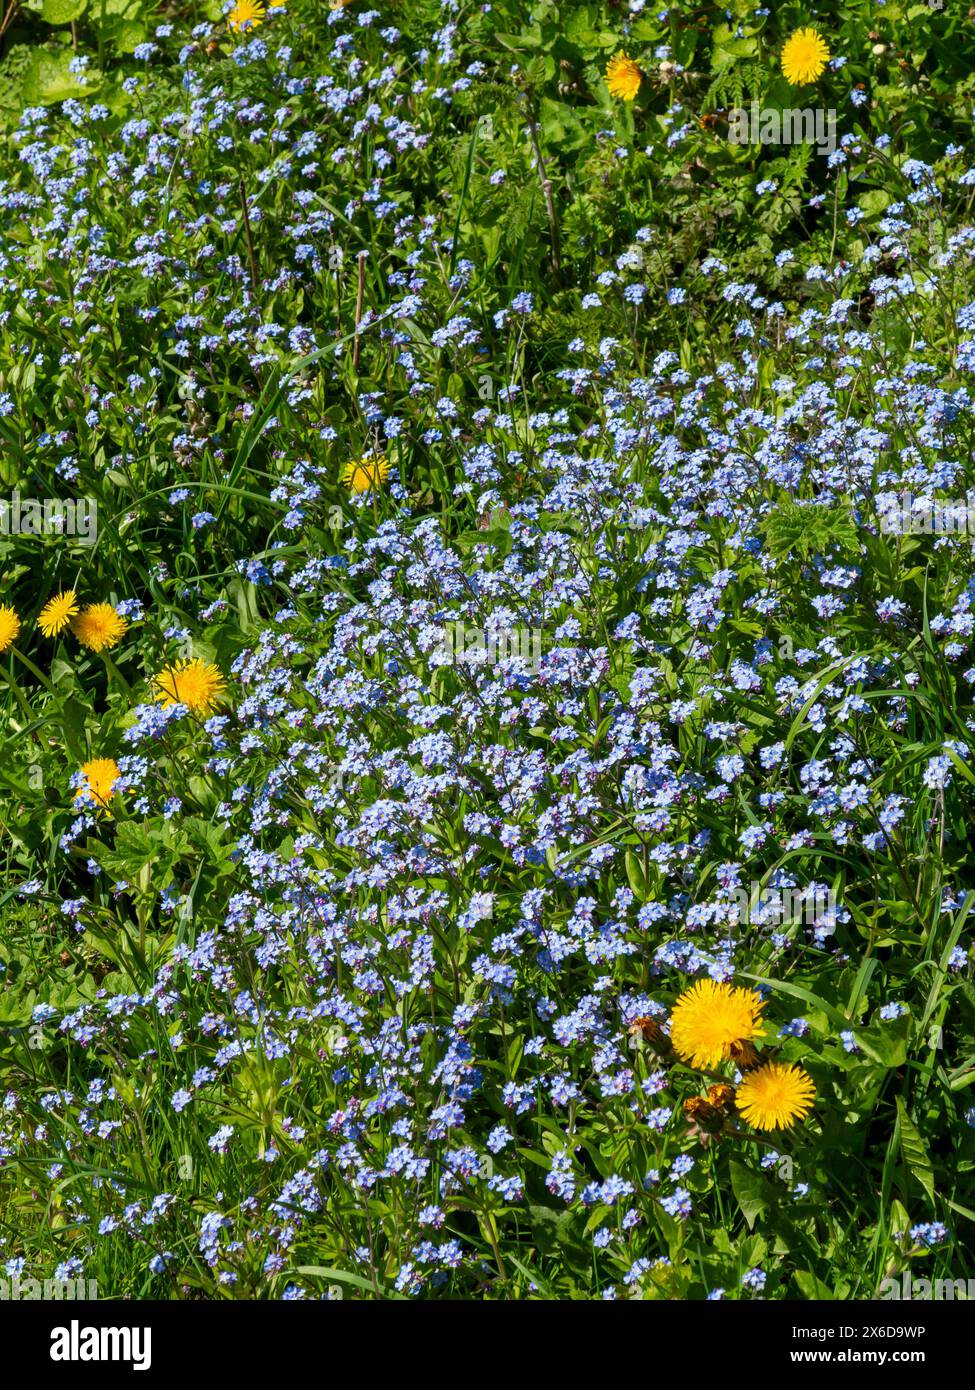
98	627
361	475
338	4
623	77
775	1096
57	613
100	776
194	684
9	627
710	1017
804	57
246	14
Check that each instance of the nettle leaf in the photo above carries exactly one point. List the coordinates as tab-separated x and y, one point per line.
800	530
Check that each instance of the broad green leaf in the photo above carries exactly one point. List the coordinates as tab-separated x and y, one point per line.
49	80
751	1191
58	11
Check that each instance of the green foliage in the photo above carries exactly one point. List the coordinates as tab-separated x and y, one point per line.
595	195
803	530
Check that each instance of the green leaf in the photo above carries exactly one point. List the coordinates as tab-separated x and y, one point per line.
119	22
811	1287
800	530
913	1151
551	1229
342	1276
798	992
58	11
635	875
49	80
885	1042
873	201
533	1276
751	1191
